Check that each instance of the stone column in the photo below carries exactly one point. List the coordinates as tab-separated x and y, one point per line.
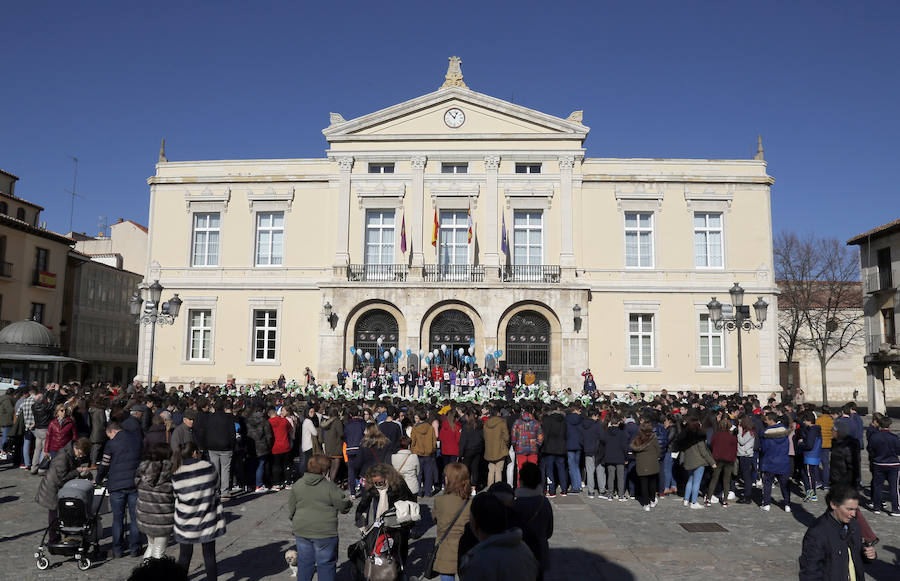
342	248
567	244
418	216
492	262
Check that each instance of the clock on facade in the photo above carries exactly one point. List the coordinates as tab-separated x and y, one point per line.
454	117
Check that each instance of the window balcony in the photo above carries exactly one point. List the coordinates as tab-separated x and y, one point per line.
377	273
6	269
881	280
547	273
878	342
454	273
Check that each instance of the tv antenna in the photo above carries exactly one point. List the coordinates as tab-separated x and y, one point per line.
72	191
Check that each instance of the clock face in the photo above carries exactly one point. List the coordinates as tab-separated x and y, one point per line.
454	117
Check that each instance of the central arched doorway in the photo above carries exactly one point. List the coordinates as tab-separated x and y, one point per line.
371	326
454	329
528	343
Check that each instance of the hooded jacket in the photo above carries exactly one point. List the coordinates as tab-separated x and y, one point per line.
471	441
554	426
259	432
694	451
423	441
353	434
156	500
332	430
591	434
527	435
496	439
775	449
809	441
313	507
62	469
573	432
646	456
616	440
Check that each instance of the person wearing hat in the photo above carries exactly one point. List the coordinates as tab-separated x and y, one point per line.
134	423
183	432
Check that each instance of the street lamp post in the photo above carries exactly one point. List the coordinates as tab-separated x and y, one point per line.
145	307
738	321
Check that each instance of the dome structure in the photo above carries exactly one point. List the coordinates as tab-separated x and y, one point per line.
28	337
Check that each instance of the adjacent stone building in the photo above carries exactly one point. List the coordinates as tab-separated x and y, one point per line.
457	220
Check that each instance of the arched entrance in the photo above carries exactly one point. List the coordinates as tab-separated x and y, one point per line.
454	329
528	343
371	326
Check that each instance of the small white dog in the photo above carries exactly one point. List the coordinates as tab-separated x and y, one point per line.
290	557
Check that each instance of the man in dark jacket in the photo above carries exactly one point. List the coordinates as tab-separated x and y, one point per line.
183	432
121	457
353	435
553	451
591	437
884	448
220	438
832	547
574	446
844	464
535	514
391	428
134	423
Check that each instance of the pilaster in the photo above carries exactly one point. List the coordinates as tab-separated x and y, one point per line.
418	197
567	243
342	248
492	262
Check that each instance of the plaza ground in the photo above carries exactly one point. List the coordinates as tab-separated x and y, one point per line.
593	539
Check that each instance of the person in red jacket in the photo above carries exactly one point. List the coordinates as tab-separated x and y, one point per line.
449	434
60	431
281	449
724	451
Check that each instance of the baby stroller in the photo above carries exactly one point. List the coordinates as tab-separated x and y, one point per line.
78	525
376	557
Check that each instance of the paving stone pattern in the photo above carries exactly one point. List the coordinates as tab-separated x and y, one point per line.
593	539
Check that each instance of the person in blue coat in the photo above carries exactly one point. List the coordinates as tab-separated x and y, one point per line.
121	457
574	446
775	461
809	441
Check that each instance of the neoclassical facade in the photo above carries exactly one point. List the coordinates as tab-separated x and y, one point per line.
456	220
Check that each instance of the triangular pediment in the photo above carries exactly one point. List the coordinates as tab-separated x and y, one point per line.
423	118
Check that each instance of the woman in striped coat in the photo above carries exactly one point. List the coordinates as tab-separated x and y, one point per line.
198	513
156	501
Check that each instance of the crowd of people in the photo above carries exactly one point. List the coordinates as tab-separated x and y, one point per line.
170	456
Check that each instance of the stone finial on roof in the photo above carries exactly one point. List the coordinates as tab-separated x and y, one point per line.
760	153
335	118
162	152
576	116
454	76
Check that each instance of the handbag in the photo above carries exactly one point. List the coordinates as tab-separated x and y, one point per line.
429	572
381	568
44	464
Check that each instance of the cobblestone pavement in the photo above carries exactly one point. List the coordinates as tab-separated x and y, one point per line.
593	539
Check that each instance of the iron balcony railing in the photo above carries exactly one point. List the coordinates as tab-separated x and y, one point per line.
454	273
877	342
881	279
531	273
6	269
377	272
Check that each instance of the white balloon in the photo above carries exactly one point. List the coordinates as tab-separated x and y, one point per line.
368	355
387	354
379	340
443	347
393	350
471	351
421	353
435	353
461	351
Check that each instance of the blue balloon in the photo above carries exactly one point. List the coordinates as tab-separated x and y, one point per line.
500	351
471	342
497	353
353	351
408	352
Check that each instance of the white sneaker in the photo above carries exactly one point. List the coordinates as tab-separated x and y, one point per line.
590	495
766	507
647	508
787	508
697	505
731	495
714	500
686	502
653	503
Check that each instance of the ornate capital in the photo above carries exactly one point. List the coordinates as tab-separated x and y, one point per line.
566	163
418	162
345	163
492	162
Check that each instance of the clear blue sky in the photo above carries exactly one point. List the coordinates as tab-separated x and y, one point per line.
224	80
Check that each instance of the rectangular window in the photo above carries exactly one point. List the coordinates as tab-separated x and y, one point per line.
41	259
453	237
380	237
528	238
265	329
200	334
37	312
528	168
711	343
708	240
639	239
454	168
381	168
269	238
640	339
206	240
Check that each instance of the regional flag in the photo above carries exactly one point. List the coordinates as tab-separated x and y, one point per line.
434	230
403	235
469	221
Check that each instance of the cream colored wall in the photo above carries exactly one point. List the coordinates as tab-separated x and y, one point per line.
18	291
125	239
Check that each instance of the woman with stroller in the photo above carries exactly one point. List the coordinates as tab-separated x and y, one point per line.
198	513
384	487
65	466
156	499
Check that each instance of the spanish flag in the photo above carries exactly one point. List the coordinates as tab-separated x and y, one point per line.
434	230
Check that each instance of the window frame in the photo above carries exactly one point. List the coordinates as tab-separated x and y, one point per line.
207	230
208	327
642	336
455	168
528	168
709	331
528	229
651	231
42	310
707	230
456	227
264	304
380	168
270	229
382	227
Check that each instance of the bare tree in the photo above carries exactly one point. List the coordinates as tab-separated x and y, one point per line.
794	266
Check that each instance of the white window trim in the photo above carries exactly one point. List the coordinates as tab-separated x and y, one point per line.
271	200
284	237
380	165
701	309
642	308
694	231
536	197
268	304
397	223
198	304
190	261
455	165
653	240
468	246
529	164
454	196
207	200
543	237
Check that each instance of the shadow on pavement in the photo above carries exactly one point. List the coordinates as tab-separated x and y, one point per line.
802	515
20	535
886	566
569	564
255	563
